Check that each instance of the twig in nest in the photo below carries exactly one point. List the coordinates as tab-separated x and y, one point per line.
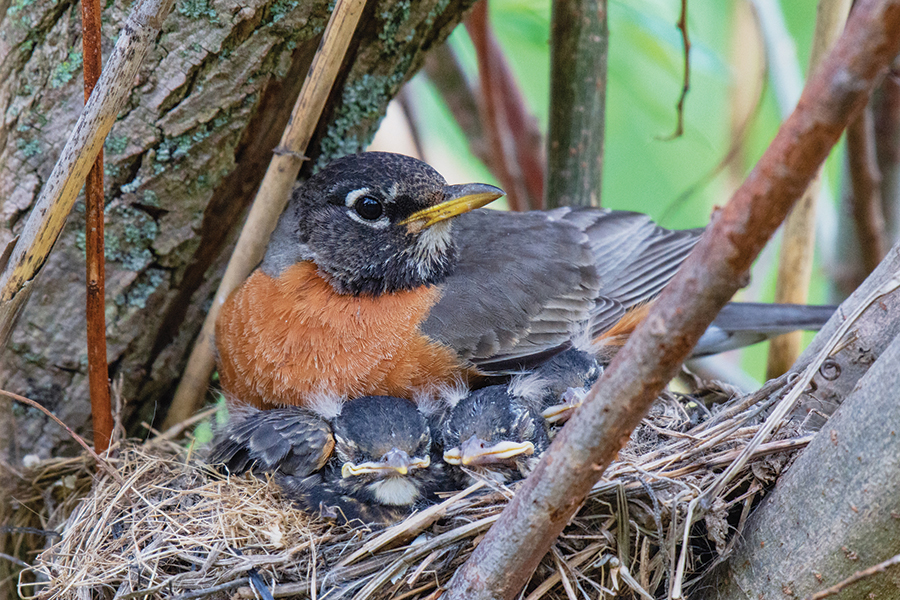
102	463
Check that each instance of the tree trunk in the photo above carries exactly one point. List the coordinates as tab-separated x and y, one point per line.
835	511
182	164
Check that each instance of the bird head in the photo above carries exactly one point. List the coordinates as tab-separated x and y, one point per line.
491	433
374	223
382	447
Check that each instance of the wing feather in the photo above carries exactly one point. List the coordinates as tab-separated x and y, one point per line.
527	282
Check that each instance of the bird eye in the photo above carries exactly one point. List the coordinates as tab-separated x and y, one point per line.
368	208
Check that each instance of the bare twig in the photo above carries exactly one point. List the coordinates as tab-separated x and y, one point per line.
102	463
859	575
866	197
14	560
796	259
686	81
447	76
84	144
515	142
176	430
512	549
98	368
270	199
579	40
408	108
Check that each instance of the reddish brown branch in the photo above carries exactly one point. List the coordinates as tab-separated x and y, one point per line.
686	82
514	546
98	369
865	178
447	76
514	139
886	112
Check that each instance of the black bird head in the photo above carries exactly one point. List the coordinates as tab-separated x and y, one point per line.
494	434
382	452
374	223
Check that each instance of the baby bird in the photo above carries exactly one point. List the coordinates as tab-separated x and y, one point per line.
370	463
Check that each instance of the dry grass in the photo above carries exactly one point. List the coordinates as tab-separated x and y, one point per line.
175	529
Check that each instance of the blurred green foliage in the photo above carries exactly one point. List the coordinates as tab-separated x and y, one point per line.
675	181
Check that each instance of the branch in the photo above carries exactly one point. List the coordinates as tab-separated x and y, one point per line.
796	260
447	76
845	366
270	200
514	139
847	515
866	197
686	80
82	148
547	500
886	109
858	576
579	39
98	368
786	80
100	462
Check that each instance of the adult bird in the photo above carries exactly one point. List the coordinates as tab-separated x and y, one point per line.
382	279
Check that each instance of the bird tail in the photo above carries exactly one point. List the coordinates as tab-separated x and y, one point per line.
741	324
737	325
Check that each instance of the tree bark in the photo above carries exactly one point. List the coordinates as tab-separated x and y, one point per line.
183	161
874	331
835	511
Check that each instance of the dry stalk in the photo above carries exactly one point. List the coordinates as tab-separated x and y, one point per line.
270	200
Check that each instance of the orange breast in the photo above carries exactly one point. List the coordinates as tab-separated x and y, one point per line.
280	340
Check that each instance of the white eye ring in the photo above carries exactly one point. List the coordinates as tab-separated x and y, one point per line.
355	195
350	201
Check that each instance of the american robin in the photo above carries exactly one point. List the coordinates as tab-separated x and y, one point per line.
493	434
498	432
382	279
372	462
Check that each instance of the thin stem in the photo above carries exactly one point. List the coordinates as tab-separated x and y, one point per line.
98	368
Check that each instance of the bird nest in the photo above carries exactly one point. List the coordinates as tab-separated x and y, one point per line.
166	525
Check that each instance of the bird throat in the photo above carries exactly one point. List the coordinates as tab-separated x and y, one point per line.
284	340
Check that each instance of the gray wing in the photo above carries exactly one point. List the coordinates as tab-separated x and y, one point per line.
526	282
291	440
635	258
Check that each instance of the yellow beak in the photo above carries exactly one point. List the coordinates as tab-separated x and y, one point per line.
459	199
